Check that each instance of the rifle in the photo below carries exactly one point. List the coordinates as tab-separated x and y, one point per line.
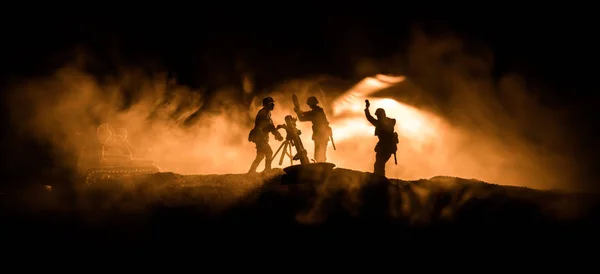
397	141
332	142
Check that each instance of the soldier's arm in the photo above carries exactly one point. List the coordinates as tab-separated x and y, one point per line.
269	127
370	118
273	129
305	115
277	134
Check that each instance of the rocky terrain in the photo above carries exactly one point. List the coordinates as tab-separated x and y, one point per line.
348	206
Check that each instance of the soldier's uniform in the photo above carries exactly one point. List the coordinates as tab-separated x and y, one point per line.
263	124
320	128
388	139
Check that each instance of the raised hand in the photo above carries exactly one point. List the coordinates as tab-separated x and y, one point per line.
367	103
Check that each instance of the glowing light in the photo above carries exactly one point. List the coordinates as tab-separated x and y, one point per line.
390	79
412	124
351	99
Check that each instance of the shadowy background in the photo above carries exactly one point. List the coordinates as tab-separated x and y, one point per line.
212	47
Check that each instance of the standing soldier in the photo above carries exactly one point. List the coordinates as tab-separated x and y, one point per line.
260	135
388	139
320	127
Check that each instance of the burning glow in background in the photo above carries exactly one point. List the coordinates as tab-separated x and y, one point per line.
61	107
417	130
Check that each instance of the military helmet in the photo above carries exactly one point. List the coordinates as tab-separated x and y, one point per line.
267	100
312	100
379	112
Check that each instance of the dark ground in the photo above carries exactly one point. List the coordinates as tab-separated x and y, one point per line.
350	208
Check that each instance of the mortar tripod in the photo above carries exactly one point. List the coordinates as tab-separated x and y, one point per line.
287	150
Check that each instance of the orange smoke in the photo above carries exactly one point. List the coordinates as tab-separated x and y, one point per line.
216	143
355	135
429	145
413	124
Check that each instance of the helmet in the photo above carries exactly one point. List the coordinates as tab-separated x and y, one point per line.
267	100
312	100
379	112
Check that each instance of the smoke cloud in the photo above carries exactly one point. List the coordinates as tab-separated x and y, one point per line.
477	127
178	128
495	129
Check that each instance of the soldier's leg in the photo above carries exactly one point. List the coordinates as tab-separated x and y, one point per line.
381	159
321	152
268	152
260	155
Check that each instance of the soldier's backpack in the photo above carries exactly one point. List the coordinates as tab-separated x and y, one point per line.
253	135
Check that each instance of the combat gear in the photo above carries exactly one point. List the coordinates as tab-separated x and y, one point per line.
263	124
320	126
267	100
312	100
388	139
292	140
110	155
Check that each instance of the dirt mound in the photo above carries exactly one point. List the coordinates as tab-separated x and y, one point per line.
138	207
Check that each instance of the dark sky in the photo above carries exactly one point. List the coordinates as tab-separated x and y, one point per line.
549	45
555	47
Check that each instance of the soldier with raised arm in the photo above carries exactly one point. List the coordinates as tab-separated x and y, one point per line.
320	127
388	139
263	125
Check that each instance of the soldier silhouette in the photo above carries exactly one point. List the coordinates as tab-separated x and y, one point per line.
263	124
320	127
388	139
